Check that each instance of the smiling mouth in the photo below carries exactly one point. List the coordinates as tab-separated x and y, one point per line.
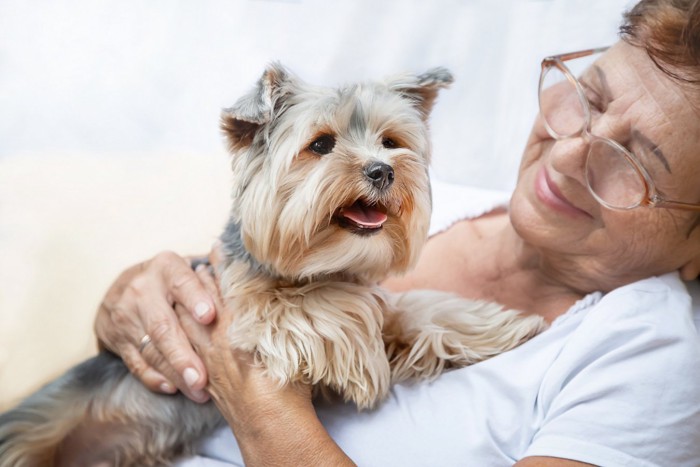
550	194
362	217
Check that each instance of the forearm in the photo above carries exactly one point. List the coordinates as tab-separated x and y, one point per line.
274	424
282	432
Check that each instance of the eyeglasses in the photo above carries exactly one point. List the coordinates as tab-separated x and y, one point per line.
614	175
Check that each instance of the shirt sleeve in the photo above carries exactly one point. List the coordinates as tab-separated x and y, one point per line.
625	388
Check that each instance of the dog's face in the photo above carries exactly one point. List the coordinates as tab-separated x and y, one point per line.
332	180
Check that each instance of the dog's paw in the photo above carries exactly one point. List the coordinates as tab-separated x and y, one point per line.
431	331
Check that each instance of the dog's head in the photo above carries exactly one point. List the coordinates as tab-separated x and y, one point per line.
331	180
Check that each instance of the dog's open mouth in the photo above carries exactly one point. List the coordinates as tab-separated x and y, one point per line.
362	217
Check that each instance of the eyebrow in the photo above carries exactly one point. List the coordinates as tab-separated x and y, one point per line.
655	149
636	134
607	95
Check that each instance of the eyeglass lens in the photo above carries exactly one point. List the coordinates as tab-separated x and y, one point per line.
561	104
612	178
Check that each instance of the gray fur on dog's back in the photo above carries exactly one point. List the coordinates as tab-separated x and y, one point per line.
102	392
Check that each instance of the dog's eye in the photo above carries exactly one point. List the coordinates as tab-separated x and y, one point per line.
389	143
322	145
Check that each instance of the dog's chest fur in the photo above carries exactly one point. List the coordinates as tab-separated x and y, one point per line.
326	332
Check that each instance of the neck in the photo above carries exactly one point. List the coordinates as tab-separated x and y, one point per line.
520	277
237	254
235	250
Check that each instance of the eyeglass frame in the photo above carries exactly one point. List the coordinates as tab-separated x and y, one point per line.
652	197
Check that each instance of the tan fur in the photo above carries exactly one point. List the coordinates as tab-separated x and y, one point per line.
300	276
306	297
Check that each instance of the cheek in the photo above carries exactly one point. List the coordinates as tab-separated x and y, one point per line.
650	241
535	147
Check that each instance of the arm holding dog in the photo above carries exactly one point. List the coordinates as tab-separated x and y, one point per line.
273	423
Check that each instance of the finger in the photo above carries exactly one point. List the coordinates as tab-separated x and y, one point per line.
211	284
218	334
121	330
170	340
155	359
184	287
198	335
151	378
208	280
216	257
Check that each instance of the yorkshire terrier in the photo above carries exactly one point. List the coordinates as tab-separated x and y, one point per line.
330	196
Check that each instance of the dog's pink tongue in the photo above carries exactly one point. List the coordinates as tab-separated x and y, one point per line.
364	216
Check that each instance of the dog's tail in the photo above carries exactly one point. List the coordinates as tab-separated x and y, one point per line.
31	433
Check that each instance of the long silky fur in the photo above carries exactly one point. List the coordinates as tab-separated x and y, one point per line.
303	286
124	423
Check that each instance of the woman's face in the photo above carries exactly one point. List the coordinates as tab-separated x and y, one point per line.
598	248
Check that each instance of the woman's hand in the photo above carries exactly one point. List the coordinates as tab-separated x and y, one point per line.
141	303
274	424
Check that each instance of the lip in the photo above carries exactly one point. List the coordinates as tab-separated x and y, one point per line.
548	193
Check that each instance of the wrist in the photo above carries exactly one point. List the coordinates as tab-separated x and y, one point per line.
284	429
266	414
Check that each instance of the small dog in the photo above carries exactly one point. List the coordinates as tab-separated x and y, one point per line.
330	196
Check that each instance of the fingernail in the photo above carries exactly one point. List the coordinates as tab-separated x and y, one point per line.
166	387
201	396
201	308
191	376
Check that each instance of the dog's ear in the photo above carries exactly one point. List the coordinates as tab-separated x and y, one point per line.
422	89
254	110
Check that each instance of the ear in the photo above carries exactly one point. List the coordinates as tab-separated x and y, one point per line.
423	89
254	110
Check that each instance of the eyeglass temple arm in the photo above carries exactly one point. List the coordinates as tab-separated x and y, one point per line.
573	55
664	203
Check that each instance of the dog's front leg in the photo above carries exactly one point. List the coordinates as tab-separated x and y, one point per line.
330	337
428	331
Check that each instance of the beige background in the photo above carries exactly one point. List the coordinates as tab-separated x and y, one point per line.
69	224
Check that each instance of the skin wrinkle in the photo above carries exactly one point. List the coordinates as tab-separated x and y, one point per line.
678	90
636	134
644	141
604	85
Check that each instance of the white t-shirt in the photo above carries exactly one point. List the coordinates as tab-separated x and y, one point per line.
615	381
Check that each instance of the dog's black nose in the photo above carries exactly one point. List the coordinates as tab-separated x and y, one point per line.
381	174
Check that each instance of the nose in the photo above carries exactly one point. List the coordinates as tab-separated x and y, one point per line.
568	157
380	174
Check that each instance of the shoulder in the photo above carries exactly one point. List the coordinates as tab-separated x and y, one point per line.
647	326
632	358
453	203
653	316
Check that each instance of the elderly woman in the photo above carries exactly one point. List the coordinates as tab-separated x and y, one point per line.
602	228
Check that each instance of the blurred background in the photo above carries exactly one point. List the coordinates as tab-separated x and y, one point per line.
110	149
